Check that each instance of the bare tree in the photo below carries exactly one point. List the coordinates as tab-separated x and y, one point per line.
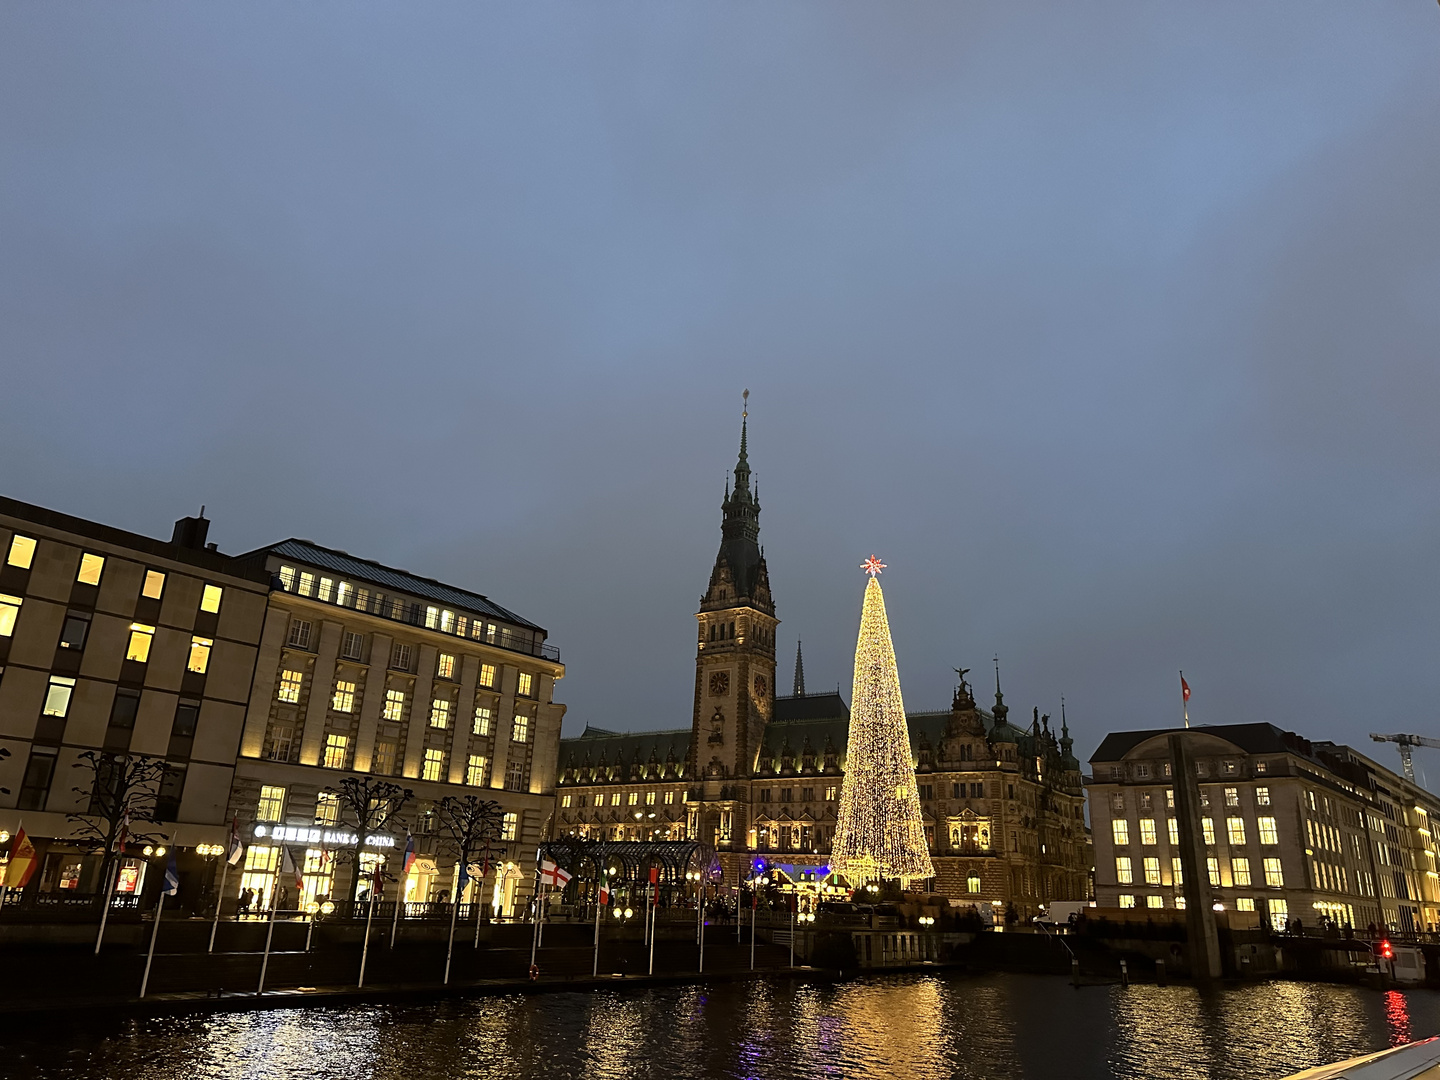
468	823
367	806
122	790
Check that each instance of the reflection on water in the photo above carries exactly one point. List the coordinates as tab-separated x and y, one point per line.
931	1027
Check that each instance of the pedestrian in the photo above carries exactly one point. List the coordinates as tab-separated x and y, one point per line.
247	897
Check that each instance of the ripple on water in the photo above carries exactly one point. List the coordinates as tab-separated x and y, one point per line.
922	1027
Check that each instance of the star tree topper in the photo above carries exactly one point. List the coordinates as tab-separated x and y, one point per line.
872	566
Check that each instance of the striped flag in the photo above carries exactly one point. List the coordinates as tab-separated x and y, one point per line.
237	847
22	862
172	877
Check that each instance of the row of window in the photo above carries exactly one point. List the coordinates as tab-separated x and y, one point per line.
21	554
1141	770
1239	871
76	630
633	799
1147	799
1234	829
807	794
401	658
1279	911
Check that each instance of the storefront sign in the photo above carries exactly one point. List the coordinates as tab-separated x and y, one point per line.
302	834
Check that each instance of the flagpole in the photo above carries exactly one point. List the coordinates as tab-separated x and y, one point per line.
754	910
454	914
702	928
480	890
269	933
395	919
365	949
535	935
105	901
1184	700
219	898
654	914
154	933
595	968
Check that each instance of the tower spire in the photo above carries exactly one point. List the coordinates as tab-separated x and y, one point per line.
742	464
799	671
1001	710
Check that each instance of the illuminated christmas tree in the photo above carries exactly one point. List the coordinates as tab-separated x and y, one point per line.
879	833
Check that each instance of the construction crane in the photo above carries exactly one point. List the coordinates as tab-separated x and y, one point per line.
1403	743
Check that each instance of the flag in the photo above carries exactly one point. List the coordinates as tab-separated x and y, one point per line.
550	874
409	859
22	862
289	866
172	877
123	834
604	892
379	881
655	886
1184	689
237	847
461	881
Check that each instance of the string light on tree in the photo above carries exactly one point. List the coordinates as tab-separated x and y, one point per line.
879	833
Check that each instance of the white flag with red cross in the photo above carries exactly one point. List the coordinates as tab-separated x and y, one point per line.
551	874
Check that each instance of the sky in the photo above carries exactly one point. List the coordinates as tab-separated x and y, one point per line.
1112	328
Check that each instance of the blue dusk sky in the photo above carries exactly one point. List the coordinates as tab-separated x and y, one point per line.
1114	329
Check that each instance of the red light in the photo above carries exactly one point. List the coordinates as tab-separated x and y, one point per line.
1387	952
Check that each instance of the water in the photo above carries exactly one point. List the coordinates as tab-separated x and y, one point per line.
925	1027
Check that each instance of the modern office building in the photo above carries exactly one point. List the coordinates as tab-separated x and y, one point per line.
1292	829
113	646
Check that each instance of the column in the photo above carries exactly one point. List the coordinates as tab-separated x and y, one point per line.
420	711
464	718
504	720
322	679
373	703
262	690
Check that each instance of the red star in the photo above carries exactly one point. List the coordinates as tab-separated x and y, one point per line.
872	566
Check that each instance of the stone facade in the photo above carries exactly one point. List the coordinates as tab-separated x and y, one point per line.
1292	829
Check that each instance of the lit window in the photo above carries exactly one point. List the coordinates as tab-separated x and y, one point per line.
1152	870
1126	900
487	675
299	634
210	598
9	612
154	585
290	683
1172	826
432	618
447	621
1244	903
650	798
1207	826
1212	866
1261	766
1177	874
509	826
1120	828
614	798
445	667
440	713
22	551
383	761
344	593
525	685
1147	830
830	793
521	731
91	567
327	588
344	700
670	797
1179	903
1269	833
634	798
1235	828
481	725
327	808
199	658
337	751
271	806
565	801
1274	877
287	578
141	637
1154	901
394	704
1124	873
1232	796
307	583
475	770
1262	796
972	883
1240	871
434	764
57	698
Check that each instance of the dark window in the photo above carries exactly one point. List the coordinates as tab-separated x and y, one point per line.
38	773
187	713
109	777
927	791
784	794
122	712
72	635
167	801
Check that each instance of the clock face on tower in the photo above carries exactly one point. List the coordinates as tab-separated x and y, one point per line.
760	686
719	683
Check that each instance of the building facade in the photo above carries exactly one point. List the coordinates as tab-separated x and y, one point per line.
116	645
1292	829
758	776
365	670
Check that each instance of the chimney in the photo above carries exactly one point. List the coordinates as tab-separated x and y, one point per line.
190	532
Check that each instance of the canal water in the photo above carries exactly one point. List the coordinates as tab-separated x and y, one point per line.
921	1027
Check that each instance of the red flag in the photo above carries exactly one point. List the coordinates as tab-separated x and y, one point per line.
23	861
1184	689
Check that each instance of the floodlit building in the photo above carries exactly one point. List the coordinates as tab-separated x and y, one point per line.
758	776
116	644
1293	829
365	670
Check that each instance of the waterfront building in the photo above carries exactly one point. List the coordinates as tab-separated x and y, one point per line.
366	670
1292	829
758	776
116	645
